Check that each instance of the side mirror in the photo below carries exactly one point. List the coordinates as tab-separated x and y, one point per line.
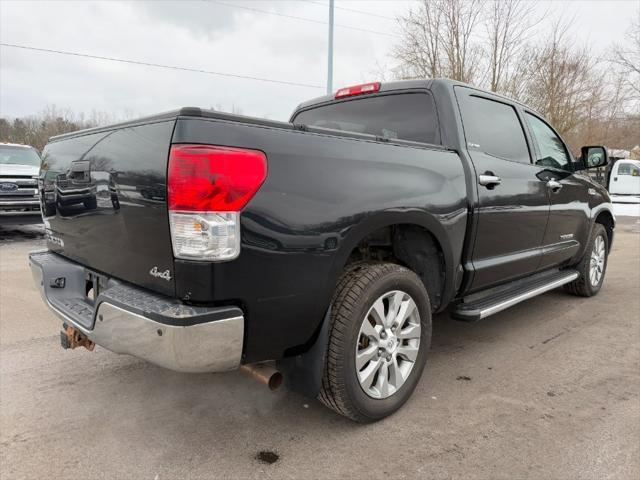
594	157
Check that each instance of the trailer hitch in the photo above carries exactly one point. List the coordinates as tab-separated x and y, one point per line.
73	338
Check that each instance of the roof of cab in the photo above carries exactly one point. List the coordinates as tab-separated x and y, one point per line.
405	85
384	87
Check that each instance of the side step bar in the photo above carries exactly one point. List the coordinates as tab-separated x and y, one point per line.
486	306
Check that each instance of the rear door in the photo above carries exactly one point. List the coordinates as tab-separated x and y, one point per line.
513	201
569	215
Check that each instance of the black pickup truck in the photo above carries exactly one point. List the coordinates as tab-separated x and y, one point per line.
325	243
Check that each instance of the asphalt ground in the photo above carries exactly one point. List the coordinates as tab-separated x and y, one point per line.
547	389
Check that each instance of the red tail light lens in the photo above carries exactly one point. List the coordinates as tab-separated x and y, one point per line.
358	90
207	178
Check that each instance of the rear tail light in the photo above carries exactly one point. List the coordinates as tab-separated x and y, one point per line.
358	90
207	188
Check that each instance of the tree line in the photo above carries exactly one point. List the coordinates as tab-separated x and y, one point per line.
539	58
35	130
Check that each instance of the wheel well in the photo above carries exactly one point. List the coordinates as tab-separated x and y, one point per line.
410	245
606	220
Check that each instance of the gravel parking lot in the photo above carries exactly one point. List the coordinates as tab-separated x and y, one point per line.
547	389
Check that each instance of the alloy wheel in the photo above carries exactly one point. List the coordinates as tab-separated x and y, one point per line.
388	344
597	261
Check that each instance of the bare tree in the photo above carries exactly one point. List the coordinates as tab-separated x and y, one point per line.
419	52
35	130
438	40
489	44
562	82
460	20
608	121
508	25
628	57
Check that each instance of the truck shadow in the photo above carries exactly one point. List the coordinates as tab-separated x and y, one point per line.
241	417
14	233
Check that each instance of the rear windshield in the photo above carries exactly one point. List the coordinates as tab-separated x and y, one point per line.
18	156
405	116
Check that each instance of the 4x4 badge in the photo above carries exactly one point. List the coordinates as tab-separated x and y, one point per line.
166	275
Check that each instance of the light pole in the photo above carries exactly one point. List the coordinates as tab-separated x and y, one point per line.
330	60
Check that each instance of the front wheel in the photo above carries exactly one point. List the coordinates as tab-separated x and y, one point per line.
379	336
592	266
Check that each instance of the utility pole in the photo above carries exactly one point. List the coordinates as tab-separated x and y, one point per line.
330	63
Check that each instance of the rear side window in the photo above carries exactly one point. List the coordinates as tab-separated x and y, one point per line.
494	128
406	116
551	151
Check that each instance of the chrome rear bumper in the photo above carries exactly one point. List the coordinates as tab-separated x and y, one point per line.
129	320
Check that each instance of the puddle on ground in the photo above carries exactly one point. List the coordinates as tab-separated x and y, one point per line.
267	456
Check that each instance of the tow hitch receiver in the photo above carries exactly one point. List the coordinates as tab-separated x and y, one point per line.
72	338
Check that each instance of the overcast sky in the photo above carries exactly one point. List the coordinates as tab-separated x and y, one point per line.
229	36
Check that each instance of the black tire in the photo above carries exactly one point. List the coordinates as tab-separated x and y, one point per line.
358	288
582	285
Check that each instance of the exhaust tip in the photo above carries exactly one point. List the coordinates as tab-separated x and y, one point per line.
264	373
275	381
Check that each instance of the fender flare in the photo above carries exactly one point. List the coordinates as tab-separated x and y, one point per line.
602	208
388	218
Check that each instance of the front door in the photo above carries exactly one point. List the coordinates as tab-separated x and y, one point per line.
513	201
569	215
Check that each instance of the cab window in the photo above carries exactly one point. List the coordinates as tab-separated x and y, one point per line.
551	150
406	116
494	128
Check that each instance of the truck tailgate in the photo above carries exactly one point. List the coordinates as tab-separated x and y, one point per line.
103	198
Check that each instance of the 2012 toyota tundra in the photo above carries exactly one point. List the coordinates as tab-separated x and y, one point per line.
325	243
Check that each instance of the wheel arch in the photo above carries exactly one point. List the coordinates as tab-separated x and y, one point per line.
604	216
407	229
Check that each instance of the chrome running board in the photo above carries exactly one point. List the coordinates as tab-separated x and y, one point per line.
489	305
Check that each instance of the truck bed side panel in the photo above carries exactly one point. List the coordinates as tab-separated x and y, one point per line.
322	194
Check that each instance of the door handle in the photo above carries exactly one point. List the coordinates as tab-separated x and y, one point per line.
554	185
489	181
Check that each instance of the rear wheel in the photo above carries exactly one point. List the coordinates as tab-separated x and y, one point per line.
378	340
592	266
